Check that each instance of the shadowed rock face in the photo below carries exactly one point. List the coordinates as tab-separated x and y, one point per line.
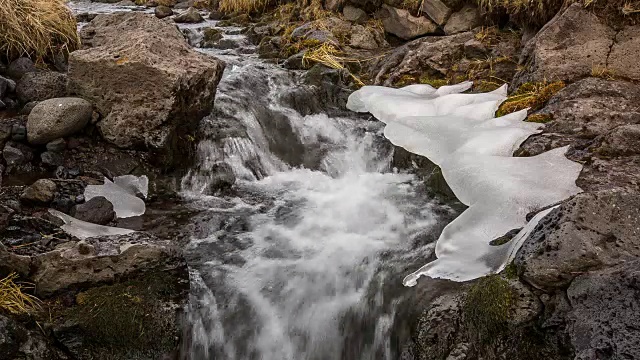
149	85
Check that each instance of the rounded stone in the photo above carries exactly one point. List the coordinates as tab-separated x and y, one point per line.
40	192
56	118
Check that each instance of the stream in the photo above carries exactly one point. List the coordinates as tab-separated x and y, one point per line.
304	259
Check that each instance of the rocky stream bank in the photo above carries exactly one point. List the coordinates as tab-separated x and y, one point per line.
131	102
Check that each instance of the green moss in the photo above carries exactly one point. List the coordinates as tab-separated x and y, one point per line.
510	271
487	308
129	320
539	118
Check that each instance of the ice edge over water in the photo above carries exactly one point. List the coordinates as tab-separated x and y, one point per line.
460	133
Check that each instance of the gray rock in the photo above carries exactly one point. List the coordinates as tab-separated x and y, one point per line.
41	85
355	15
295	62
52	159
433	54
97	210
21	66
162	12
190	16
474	49
623	59
18	132
363	38
40	192
568	48
210	36
175	88
26	109
605	313
588	232
13	156
6	86
222	177
56	118
622	141
2	105
464	20
402	24
10	103
5	131
438	11
57	145
126	3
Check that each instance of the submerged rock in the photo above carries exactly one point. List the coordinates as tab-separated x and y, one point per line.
164	86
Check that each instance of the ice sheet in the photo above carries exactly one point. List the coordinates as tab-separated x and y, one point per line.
83	230
459	132
125	204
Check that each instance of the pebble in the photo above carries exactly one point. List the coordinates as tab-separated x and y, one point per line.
18	132
52	159
57	145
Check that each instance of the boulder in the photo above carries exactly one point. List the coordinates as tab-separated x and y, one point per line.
431	56
568	48
210	36
437	11
464	20
604	313
164	87
402	24
162	12
56	118
41	85
191	16
591	231
623	140
623	59
40	192
97	210
355	15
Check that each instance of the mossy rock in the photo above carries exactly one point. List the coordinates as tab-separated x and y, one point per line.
131	320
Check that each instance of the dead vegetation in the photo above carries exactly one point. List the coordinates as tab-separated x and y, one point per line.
39	29
330	56
13	299
530	95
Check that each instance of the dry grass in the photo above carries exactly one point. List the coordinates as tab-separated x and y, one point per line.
530	95
329	55
13	299
531	12
36	28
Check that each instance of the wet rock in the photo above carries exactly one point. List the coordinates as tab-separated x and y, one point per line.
363	38
26	109
52	159
215	15
474	49
40	192
126	3
162	12
17	342
20	67
3	105
604	311
590	231
18	132
439	326
55	118
6	86
402	24
210	37
165	87
568	48
41	85
269	47
623	58
62	203
222	177
57	145
295	62
426	56
191	16
97	210
438	11
85	17
13	156
355	15
464	20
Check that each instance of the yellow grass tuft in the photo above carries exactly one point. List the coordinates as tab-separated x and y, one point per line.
36	28
329	55
530	95
13	299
